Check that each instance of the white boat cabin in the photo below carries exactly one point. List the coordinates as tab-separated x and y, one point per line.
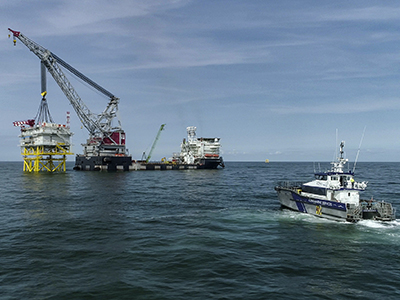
334	186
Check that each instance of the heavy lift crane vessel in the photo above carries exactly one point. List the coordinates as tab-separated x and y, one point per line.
105	148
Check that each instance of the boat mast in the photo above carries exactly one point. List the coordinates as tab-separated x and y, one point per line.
341	149
359	147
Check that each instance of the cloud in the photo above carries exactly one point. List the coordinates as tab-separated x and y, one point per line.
349	107
381	13
68	17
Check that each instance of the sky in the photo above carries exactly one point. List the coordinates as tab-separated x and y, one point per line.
280	80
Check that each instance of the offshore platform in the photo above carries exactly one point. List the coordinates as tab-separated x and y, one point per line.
44	143
105	146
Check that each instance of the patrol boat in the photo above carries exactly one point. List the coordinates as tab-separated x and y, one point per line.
334	195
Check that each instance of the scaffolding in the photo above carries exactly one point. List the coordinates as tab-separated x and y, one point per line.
42	158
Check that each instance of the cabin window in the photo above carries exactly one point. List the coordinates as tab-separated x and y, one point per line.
314	190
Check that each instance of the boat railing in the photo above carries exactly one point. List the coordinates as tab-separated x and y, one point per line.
354	213
386	211
360	185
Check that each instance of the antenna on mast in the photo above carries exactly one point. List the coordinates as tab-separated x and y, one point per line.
336	144
359	147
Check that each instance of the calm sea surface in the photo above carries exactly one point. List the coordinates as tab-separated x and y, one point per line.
194	234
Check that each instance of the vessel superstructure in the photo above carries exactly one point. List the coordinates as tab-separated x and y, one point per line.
335	195
202	152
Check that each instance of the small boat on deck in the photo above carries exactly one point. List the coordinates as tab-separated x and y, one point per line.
334	195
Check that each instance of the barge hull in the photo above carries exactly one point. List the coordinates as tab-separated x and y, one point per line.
97	163
124	163
202	165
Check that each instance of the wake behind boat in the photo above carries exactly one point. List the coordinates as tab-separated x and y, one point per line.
334	194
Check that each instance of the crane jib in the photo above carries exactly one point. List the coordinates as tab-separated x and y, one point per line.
15	33
72	70
81	76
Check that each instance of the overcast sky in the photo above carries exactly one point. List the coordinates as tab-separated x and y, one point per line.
272	79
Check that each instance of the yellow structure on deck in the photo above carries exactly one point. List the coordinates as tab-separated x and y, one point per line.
44	147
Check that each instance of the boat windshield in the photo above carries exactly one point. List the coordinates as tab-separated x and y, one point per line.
321	177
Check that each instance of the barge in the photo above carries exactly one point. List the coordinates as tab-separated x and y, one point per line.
196	153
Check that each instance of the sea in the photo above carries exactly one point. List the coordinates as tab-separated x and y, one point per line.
190	234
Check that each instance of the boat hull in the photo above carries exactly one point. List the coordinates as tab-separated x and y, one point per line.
321	208
210	163
124	163
97	163
291	198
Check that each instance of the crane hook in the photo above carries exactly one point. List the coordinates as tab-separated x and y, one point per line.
14	40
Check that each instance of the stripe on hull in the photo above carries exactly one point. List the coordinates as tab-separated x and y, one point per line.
301	207
315	207
325	203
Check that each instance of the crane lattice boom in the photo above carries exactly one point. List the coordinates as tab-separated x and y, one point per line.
97	125
155	142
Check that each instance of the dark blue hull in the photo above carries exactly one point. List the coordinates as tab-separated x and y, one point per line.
97	163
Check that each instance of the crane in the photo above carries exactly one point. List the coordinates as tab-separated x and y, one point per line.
154	143
106	142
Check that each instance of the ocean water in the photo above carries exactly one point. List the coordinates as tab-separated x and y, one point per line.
193	234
